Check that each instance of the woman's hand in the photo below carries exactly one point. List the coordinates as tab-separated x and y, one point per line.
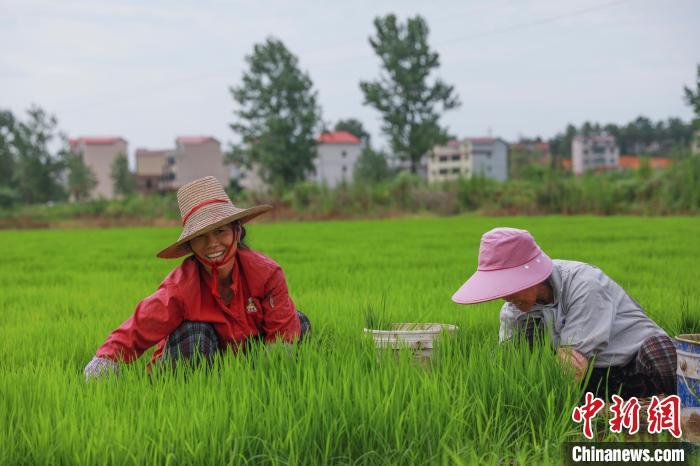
100	367
573	361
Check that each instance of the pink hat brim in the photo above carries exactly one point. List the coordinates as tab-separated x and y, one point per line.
487	285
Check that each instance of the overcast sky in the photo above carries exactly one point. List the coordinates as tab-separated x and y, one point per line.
152	70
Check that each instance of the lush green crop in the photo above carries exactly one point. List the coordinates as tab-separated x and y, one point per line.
335	401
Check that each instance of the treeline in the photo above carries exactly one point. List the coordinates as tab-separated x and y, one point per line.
37	165
641	136
673	190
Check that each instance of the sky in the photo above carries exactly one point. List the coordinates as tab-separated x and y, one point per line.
150	71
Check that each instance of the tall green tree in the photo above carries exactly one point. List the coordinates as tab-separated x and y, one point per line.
277	116
409	100
371	166
355	127
692	98
37	170
123	180
81	180
8	132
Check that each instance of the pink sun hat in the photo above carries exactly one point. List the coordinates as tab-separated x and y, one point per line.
509	261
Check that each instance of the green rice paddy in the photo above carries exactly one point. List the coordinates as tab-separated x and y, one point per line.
335	401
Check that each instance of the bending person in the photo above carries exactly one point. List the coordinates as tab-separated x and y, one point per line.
221	296
590	318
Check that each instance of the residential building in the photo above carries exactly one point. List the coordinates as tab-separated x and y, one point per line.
450	161
194	157
149	169
98	154
337	153
594	153
248	179
489	158
535	147
633	162
397	164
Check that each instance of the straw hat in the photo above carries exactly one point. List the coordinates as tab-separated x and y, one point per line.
205	206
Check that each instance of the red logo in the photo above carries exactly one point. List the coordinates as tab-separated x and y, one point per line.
625	414
665	415
587	412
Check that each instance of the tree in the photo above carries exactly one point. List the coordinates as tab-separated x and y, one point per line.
8	157
278	116
81	180
37	171
371	166
693	98
122	179
411	107
355	127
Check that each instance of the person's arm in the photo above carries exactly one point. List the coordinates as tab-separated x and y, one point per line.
589	317
154	319
280	320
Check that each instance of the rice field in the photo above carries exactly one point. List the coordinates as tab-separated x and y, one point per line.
335	401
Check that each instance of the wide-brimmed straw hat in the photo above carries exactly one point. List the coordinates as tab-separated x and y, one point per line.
205	206
509	261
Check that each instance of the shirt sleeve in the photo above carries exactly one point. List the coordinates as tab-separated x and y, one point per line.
509	314
279	314
589	315
153	320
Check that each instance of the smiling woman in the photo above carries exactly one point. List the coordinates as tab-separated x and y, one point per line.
219	298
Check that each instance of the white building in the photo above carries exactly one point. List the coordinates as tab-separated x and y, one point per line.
695	143
489	158
337	153
98	153
591	153
449	162
194	157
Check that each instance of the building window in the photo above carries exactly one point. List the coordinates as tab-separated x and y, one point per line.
455	171
345	169
443	158
171	160
443	171
344	154
455	158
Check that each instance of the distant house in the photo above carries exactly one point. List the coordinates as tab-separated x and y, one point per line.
594	153
489	158
98	153
450	161
194	157
536	147
149	169
248	179
337	153
633	162
695	144
396	164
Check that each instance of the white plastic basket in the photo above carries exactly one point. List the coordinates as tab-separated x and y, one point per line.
418	337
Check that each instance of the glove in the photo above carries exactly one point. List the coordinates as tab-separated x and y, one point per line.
100	367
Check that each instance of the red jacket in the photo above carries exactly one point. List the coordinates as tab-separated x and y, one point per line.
260	306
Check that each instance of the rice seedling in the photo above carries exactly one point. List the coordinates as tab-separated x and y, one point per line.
335	399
